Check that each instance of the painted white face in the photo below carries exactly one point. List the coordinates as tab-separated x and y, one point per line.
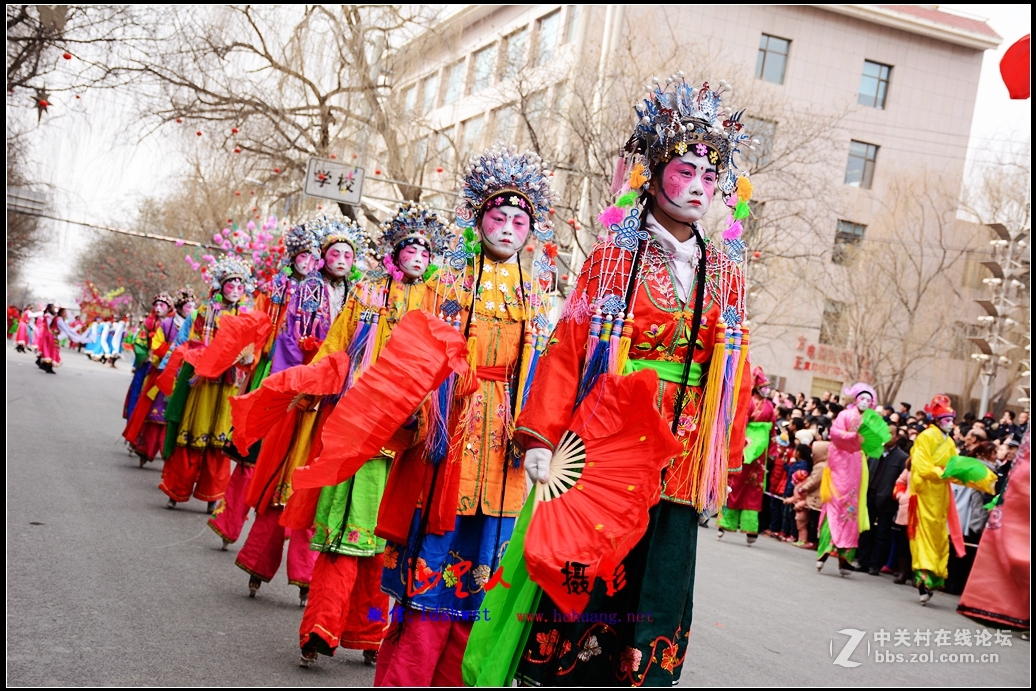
186	308
338	260
303	263
233	290
864	402
686	185
945	423
413	261
162	309
504	230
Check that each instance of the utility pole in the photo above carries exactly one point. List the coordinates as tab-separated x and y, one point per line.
1008	298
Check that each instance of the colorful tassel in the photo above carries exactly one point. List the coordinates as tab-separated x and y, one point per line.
744	188
733	232
627	200
624	344
613	344
611	216
700	472
637	177
597	364
741	211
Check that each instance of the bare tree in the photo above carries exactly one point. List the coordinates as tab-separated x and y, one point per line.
897	290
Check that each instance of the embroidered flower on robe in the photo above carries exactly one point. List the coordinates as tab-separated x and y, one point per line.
548	641
480	575
670	658
354	536
630	660
391	557
590	649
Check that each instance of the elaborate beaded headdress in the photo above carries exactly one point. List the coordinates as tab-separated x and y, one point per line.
227	268
183	296
502	176
679	117
299	239
330	231
413	224
163	297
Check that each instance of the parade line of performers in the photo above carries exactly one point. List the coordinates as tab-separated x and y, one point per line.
407	423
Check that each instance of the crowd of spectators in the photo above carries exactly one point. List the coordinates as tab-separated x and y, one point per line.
791	506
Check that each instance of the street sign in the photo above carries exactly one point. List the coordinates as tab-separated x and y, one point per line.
326	179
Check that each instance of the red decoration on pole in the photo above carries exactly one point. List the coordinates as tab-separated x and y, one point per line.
1015	70
67	56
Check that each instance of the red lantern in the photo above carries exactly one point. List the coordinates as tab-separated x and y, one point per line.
179	119
233	130
320	208
438	169
276	171
257	215
230	220
530	248
67	56
77	97
237	193
252	192
756	255
237	150
551	211
564	277
377	171
198	133
255	208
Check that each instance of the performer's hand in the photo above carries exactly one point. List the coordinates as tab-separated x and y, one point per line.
537	464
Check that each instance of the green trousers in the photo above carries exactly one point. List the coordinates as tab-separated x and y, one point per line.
743	519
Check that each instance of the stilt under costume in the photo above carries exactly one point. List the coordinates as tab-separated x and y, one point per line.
745	500
453	496
312	310
932	521
275	298
198	408
644	300
346	606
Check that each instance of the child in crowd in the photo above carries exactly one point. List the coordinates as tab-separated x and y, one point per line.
796	513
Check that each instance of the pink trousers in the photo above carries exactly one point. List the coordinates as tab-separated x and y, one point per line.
230	515
263	550
429	653
346	606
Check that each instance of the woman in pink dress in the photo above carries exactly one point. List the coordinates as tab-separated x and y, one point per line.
840	489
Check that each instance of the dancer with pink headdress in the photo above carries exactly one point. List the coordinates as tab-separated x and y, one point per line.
844	482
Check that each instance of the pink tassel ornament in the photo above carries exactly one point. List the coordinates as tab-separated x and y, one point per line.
611	216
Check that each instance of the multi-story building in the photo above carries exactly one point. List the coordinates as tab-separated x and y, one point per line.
859	101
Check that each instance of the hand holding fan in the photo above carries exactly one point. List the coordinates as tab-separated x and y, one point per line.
604	476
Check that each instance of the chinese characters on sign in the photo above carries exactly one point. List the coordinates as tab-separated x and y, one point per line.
333	180
826	360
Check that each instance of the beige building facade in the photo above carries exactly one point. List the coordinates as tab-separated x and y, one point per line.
889	91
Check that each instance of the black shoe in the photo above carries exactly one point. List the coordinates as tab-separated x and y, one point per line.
211	506
303	595
253	585
874	571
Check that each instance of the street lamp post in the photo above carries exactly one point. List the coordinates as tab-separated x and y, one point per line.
1006	268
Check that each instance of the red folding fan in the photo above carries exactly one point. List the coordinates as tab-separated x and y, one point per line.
604	476
236	334
420	354
256	413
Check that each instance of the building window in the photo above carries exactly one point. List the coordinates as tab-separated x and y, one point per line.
429	94
547	37
832	326
472	134
847	236
410	101
773	58
504	121
454	83
874	84
559	99
764	131
420	155
571	14
482	69
444	147
514	52
860	171
818	387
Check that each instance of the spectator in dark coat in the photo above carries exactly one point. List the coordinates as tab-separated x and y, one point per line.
881	505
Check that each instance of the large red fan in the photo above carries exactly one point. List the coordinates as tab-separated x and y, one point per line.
417	359
236	334
604	476
257	412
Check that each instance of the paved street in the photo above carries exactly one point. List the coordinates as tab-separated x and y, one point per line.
107	587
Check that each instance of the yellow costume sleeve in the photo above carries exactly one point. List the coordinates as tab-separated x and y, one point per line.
863	516
342	330
922	457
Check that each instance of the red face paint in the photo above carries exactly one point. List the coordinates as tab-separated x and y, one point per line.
687	186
